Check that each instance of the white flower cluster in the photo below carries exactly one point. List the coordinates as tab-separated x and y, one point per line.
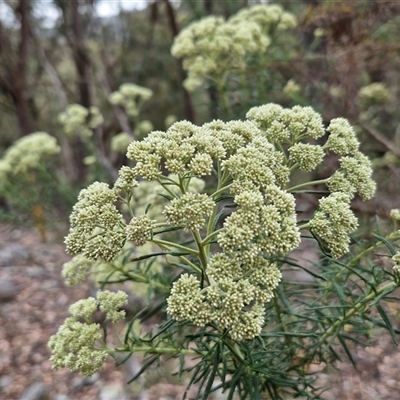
263	227
333	221
74	345
269	17
241	279
253	160
97	231
78	120
120	142
287	125
395	214
292	88
374	94
126	180
28	153
188	149
131	97
212	46
76	270
396	261
139	230
189	211
353	176
264	224
355	172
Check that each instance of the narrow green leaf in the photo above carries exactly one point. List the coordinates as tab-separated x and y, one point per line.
166	196
386	242
104	283
170	229
197	369
162	329
122	360
181	365
234	382
339	291
224	197
294	264
355	340
221	214
161	253
347	350
185	267
378	322
352	270
387	322
214	370
383	294
147	208
107	282
146	365
131	322
311	191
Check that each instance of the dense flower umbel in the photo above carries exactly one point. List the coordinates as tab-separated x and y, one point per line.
396	261
96	230
78	120
212	46
233	260
131	97
76	270
74	346
374	94
333	222
28	153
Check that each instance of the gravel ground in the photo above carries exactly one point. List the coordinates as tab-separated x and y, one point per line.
34	303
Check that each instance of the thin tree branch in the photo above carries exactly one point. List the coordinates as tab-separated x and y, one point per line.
380	138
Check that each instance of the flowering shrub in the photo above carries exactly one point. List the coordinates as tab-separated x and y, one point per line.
212	47
236	60
24	180
222	222
375	93
77	120
131	97
28	154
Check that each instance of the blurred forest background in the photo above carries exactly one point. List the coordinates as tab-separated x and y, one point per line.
341	58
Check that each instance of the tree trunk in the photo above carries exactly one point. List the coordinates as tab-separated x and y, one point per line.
81	58
13	79
187	98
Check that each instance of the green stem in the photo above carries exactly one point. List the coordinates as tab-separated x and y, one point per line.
139	278
201	253
168	245
312	183
165	187
279	317
222	94
305	226
238	353
361	255
356	308
210	236
221	190
157	350
391	236
222	176
193	266
294	167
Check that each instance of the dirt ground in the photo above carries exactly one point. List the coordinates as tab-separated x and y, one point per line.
34	303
